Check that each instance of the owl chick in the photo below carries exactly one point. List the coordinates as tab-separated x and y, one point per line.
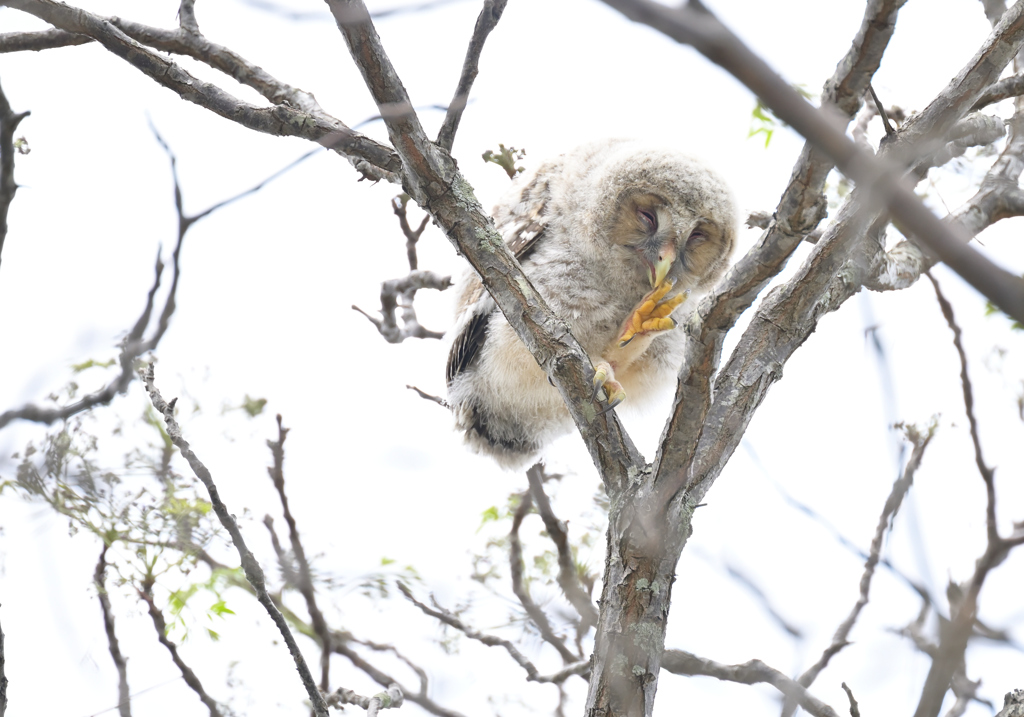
616	236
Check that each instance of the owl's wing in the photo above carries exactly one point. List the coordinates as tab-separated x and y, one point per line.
521	224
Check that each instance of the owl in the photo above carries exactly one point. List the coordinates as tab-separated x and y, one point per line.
619	238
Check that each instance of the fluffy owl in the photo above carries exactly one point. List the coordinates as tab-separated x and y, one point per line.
616	236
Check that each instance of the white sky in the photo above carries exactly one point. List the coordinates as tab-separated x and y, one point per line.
264	309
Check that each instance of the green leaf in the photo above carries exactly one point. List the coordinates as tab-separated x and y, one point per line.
386	561
79	367
488	516
253	406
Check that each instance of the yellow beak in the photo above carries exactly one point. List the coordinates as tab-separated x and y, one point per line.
660	268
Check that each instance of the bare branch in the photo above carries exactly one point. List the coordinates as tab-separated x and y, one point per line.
3	677
41	40
288	118
1013	704
393	698
9	121
485	22
568	578
146	593
253	571
714	40
749	673
515	559
892	505
402	293
1012	86
854	709
575	667
429	397
987	474
304	576
434	182
99	577
340	647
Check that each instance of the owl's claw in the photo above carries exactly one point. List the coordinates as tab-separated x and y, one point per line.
604	379
652	315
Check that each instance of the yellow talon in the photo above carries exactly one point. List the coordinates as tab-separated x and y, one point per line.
653	314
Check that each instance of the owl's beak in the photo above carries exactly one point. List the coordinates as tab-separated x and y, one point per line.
659	262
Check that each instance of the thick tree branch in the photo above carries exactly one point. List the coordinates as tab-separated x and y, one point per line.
433	180
253	571
124	706
749	673
879	177
485	22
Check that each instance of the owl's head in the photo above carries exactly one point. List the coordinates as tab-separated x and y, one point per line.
672	215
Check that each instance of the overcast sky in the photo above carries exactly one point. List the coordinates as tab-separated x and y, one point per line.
374	471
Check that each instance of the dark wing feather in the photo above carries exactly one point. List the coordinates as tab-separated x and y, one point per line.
467	345
521	228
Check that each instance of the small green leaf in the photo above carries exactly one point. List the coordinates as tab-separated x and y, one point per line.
253	406
386	561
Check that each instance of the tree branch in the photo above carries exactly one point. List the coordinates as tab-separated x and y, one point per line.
434	182
253	571
304	575
99	577
393	698
41	40
532	675
372	159
568	579
515	559
146	593
879	177
892	505
9	121
749	673
485	22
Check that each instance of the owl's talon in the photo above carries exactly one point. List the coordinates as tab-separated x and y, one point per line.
652	315
604	379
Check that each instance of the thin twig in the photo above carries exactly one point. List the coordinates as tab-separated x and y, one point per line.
892	505
253	571
568	578
124	706
854	709
575	667
146	593
987	474
304	574
399	204
522	592
749	673
881	111
3	676
485	22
